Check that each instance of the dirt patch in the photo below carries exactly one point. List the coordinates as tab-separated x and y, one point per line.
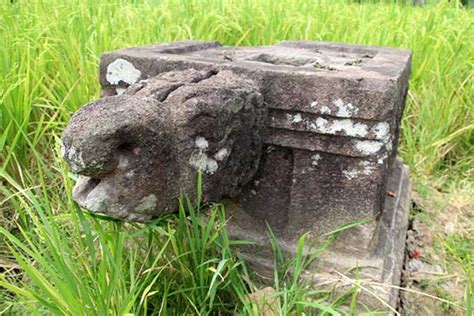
438	268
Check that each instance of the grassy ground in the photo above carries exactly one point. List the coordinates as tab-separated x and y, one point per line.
48	68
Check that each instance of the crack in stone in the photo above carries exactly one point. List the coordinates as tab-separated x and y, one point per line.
163	95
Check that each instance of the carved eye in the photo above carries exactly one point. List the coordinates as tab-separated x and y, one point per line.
126	147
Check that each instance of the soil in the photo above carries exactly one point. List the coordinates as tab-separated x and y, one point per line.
434	281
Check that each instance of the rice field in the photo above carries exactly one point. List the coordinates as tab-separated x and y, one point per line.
73	263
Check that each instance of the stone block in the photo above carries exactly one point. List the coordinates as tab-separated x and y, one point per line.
335	109
299	135
138	151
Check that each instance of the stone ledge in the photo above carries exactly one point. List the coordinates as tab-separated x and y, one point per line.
374	251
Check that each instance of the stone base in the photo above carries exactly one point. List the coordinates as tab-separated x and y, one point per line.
369	254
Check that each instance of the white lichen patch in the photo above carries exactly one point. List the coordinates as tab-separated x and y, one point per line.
203	162
351	173
297	118
347	127
201	143
389	144
120	90
221	154
364	168
313	104
148	203
381	160
122	70
200	160
325	110
344	109
315	159
381	131
320	123
368	147
367	167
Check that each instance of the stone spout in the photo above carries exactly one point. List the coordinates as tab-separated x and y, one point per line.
328	115
138	151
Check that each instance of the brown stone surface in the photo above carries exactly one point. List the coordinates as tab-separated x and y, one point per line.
370	254
300	135
333	108
136	152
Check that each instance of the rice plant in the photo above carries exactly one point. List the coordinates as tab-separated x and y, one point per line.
69	262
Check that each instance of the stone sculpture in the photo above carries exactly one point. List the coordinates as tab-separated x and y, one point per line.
139	150
299	135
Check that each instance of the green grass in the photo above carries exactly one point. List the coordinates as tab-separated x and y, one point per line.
91	266
78	264
49	53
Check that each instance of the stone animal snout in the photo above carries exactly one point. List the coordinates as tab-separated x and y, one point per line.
138	151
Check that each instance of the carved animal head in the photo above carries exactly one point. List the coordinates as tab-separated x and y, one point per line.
138	151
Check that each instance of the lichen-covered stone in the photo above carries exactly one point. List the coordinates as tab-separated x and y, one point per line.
300	135
138	151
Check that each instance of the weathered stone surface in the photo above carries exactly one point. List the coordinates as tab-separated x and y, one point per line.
139	150
299	135
334	110
370	254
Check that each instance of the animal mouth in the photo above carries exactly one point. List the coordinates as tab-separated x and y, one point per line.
95	195
85	185
83	189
